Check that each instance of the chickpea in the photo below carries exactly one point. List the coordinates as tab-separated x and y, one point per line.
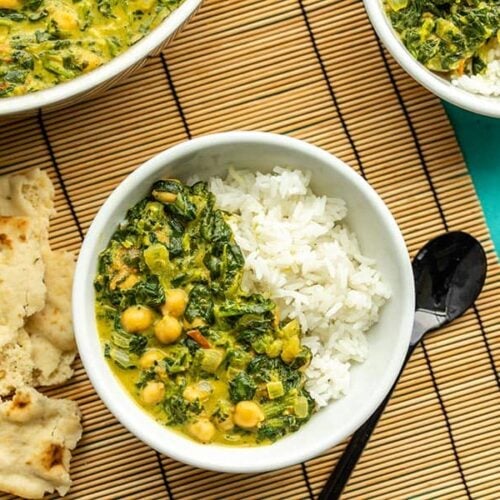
137	318
202	429
200	391
248	414
153	392
164	196
149	358
176	303
10	4
168	330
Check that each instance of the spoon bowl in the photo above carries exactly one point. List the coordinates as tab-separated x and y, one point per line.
449	274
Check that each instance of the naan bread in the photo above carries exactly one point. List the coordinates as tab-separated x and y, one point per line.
29	193
22	293
22	289
36	342
51	329
26	204
50	349
37	435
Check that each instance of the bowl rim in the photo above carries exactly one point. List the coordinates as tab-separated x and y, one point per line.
124	408
477	103
85	83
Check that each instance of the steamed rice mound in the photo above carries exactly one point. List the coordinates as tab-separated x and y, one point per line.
299	252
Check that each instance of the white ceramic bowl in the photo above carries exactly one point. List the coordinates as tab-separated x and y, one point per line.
378	235
95	82
483	105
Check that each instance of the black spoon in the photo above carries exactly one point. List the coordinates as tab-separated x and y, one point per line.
449	274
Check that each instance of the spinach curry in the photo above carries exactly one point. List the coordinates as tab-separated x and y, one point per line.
188	344
45	42
451	36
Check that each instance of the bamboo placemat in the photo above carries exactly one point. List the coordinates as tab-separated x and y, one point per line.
313	69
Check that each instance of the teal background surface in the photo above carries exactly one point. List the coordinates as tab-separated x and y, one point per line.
479	139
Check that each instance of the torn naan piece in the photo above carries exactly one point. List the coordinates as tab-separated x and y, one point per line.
51	329
22	292
50	348
22	288
29	193
37	435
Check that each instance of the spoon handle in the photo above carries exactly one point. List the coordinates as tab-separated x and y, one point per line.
342	472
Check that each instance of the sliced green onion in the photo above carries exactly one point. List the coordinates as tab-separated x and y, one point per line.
301	407
120	339
275	390
156	258
121	358
212	358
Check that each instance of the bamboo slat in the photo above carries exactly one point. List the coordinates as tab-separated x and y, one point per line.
313	69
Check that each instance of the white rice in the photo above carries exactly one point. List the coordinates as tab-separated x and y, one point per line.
299	253
488	83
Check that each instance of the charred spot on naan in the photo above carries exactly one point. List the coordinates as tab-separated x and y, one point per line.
5	241
52	456
21	400
21	407
17	226
18	222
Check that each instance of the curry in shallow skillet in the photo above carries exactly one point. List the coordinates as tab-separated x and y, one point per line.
188	344
45	42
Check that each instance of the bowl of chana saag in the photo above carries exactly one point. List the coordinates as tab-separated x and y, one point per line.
450	47
195	363
54	53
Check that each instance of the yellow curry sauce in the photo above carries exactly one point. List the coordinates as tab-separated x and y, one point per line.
45	42
188	344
